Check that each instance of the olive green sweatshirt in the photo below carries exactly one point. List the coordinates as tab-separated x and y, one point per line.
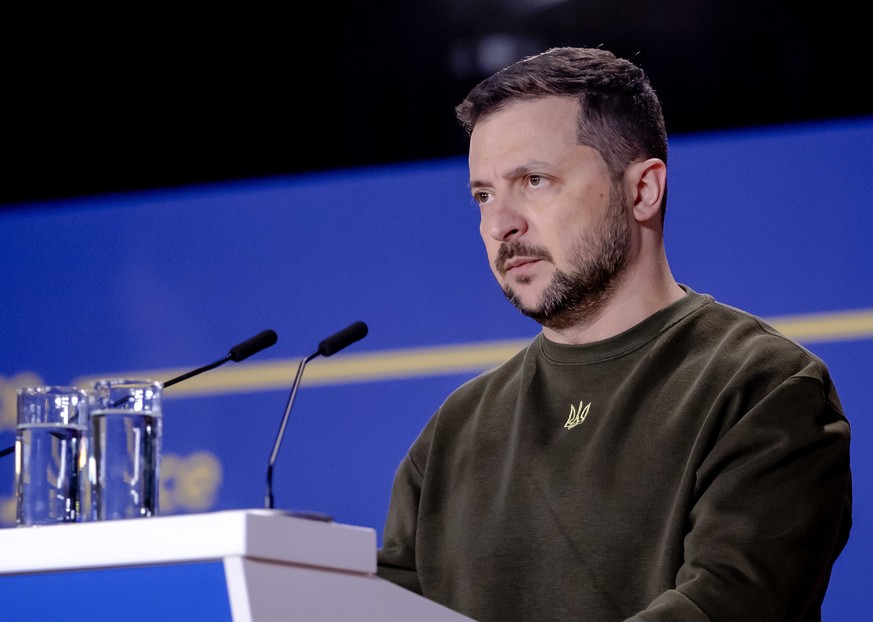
694	467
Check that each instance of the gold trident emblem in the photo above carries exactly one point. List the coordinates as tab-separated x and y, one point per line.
577	415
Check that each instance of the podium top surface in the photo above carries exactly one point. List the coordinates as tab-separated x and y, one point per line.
269	535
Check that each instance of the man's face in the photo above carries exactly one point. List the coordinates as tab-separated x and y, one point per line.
554	225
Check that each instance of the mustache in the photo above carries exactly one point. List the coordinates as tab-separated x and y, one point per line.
508	250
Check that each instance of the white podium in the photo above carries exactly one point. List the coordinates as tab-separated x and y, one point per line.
239	565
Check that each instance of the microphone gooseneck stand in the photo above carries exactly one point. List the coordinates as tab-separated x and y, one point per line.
333	344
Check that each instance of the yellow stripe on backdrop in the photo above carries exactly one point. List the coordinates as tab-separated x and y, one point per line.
837	326
441	360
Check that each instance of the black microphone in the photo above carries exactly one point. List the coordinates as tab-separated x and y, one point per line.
343	339
239	352
333	344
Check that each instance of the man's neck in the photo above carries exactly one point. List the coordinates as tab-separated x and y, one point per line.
638	295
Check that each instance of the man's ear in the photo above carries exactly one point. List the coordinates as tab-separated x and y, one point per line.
647	182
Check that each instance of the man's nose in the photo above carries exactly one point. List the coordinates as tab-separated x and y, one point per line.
504	220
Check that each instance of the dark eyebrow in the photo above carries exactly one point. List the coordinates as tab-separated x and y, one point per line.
514	173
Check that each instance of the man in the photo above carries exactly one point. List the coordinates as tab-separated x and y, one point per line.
653	454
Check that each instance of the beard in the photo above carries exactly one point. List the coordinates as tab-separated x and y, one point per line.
597	261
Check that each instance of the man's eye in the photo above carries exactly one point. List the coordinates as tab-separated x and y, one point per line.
481	197
534	180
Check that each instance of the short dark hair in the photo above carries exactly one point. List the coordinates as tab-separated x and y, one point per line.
620	114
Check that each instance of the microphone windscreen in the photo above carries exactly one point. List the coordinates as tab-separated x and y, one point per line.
262	340
346	337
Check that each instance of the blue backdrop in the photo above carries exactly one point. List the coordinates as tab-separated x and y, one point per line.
776	221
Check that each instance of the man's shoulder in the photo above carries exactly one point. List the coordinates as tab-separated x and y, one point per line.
464	408
506	373
739	335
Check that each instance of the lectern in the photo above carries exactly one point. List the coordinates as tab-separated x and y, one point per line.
239	565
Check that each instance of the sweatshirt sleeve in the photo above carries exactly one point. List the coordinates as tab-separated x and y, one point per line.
772	510
396	557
